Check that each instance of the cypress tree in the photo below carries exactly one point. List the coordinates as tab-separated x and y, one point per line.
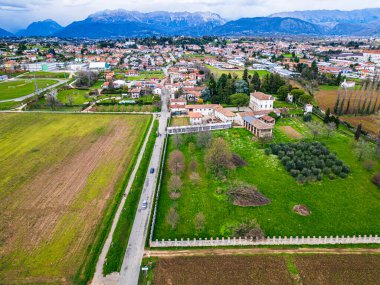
358	132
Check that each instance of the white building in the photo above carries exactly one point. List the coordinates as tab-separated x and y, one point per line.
348	84
308	108
195	118
225	115
99	65
261	102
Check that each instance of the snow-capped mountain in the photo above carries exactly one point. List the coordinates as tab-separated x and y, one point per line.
120	22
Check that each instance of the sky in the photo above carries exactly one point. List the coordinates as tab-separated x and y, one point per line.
17	14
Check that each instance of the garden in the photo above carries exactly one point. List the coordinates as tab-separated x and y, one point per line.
201	199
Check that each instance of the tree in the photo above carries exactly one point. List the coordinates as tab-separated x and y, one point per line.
51	99
175	183
358	132
177	140
206	94
256	81
245	75
218	157
239	100
241	86
70	100
330	128
282	92
315	128
204	139
362	149
86	78
176	162
172	218
199	221
327	116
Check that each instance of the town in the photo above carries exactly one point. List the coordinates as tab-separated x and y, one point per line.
140	160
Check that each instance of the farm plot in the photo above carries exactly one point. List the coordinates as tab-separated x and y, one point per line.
195	204
60	179
290	132
339	269
222	270
18	88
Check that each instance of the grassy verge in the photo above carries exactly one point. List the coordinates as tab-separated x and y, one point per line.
87	270
120	237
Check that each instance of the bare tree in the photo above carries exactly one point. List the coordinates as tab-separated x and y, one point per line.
199	221
363	149
176	162
219	157
172	218
175	183
315	129
204	139
51	99
86	78
177	140
193	165
330	128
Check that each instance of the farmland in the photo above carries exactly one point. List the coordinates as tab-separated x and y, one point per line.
326	98
263	269
60	179
338	207
239	72
19	88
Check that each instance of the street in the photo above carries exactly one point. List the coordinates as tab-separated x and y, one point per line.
130	269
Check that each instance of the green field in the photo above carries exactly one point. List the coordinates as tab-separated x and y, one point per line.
238	72
19	88
338	207
61	179
46	74
79	97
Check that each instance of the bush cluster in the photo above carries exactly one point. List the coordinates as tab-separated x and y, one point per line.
308	162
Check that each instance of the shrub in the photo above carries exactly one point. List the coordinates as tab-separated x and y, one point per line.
376	179
369	165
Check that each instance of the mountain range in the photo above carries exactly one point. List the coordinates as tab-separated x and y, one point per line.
41	29
123	23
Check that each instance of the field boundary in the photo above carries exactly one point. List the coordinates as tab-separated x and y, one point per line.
266	241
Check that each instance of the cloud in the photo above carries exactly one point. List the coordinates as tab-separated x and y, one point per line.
11	6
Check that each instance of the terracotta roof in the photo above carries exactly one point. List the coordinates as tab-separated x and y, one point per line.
206	106
177	106
195	115
262	96
258	124
225	112
267	118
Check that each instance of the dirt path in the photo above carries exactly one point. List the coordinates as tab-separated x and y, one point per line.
234	251
112	278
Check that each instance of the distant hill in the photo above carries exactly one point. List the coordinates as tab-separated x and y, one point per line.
364	22
265	25
4	33
42	28
120	23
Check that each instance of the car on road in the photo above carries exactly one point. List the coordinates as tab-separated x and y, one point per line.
144	205
152	170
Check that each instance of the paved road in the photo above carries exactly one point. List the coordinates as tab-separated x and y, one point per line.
19	99
130	270
99	279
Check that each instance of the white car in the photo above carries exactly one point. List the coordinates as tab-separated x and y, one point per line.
144	205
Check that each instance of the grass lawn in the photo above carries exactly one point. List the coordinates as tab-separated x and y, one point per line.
180	121
339	207
79	96
61	177
46	74
18	88
238	72
9	105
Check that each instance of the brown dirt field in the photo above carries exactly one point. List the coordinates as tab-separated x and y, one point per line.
48	223
290	132
222	270
342	269
370	123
